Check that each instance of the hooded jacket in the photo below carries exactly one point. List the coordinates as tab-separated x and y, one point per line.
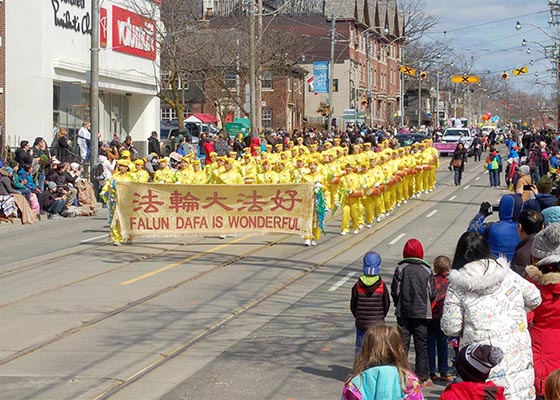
545	331
486	303
413	289
381	383
502	236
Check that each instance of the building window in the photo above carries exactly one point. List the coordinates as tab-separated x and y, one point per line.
267	80
266	118
335	85
168	113
230	79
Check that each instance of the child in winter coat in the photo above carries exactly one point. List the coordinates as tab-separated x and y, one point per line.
474	363
370	298
437	340
381	370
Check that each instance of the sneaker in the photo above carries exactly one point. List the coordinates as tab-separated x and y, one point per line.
433	377
343	233
356	231
307	242
427	383
55	216
313	243
404	201
361	226
398	204
446	377
117	244
378	219
368	226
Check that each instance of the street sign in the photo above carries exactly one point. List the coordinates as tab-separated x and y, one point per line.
465	79
235	128
408	70
520	71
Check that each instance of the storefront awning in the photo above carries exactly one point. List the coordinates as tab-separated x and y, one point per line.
205	118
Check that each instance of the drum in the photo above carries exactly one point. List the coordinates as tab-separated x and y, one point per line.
335	180
427	167
375	192
401	173
249	181
357	193
382	188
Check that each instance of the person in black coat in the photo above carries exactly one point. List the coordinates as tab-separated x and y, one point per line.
457	163
413	290
23	154
153	144
370	298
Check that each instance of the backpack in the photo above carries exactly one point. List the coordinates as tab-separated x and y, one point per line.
98	172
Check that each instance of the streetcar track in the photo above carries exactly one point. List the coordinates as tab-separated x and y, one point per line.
121	384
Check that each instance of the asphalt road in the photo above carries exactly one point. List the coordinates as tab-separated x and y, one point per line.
201	318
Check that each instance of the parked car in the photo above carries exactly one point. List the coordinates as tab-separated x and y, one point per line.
169	132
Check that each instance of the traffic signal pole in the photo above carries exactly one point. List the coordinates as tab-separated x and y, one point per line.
331	73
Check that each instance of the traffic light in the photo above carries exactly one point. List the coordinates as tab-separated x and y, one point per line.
423	75
505	75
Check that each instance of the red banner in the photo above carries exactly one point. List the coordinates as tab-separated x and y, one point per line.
133	34
103	27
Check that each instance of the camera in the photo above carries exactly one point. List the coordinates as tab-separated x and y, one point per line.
527	187
493	209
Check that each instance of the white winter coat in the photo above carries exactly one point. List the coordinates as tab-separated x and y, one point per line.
486	303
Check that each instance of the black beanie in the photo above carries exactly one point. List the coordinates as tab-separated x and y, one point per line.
475	361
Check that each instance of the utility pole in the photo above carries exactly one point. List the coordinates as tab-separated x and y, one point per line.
237	81
94	89
331	73
368	63
419	102
401	87
259	65
252	69
437	99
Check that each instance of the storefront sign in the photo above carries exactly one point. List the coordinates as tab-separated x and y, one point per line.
72	15
163	210
133	34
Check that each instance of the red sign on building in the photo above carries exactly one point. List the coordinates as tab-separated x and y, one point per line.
103	27
133	34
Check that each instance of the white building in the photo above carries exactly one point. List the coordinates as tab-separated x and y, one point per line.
48	68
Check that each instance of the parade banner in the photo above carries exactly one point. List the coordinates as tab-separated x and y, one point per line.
321	79
167	210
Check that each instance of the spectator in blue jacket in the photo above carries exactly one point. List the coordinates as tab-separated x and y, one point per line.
502	236
543	199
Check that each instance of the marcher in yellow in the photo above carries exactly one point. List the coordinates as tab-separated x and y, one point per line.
349	190
164	174
248	169
284	174
141	175
109	192
198	175
230	176
373	200
319	181
433	158
184	171
268	176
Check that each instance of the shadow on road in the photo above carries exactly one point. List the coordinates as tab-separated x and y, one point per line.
336	372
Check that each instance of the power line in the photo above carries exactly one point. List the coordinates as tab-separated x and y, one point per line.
492	22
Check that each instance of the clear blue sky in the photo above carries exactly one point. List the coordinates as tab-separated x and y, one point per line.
486	31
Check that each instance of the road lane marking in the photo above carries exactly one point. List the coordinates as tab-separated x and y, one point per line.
341	281
431	214
395	240
477	178
466	187
93	238
452	198
181	262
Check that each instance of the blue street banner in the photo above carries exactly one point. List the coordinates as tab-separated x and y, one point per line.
321	76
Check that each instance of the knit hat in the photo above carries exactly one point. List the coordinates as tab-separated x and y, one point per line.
413	249
51	185
372	261
475	361
551	215
525	170
544	185
547	242
75	166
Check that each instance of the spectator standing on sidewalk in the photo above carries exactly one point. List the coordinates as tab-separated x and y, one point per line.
486	303
370	298
413	290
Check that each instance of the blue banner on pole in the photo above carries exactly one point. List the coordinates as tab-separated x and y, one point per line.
321	76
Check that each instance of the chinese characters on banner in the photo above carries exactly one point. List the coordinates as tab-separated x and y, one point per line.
160	210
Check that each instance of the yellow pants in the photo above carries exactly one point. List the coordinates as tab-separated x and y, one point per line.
406	187
389	197
333	196
115	230
369	209
361	211
432	177
350	210
420	181
426	179
399	187
378	205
